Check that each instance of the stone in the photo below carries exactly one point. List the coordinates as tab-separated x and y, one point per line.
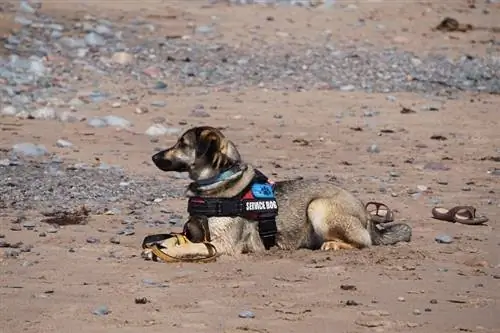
45	113
8	110
116	121
37	67
29	149
374	149
348	87
63	143
70	117
93	39
101	311
246	314
444	239
122	58
25	7
72	43
97	122
103	30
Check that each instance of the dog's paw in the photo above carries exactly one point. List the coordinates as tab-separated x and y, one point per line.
336	246
147	254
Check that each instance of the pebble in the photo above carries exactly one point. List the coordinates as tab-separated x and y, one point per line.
103	30
70	117
160	129
72	43
114	240
92	240
63	143
52	230
116	121
97	122
9	110
122	58
160	85
44	113
348	87
16	227
417	312
25	7
93	39
29	149
200	112
246	314
374	149
159	104
101	311
401	299
29	225
444	239
436	166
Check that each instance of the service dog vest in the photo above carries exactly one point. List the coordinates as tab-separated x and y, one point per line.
257	202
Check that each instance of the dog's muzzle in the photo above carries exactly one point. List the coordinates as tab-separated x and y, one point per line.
165	164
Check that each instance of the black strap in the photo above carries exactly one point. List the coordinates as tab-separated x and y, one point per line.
215	206
268	231
262	211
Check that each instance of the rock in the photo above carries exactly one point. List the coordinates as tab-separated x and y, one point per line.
70	117
116	121
205	29
199	111
93	39
160	85
8	110
114	240
23	21
72	43
16	227
156	130
103	30
348	87
29	149
246	314
159	104
400	40
444	239
417	312
375	313
152	71
374	149
45	113
401	299
26	8
122	58
101	311
97	122
63	143
92	240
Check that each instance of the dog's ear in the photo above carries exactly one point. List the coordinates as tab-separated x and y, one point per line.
231	152
208	145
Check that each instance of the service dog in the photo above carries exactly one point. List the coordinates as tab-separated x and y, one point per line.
294	214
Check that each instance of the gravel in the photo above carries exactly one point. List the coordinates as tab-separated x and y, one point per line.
50	185
93	50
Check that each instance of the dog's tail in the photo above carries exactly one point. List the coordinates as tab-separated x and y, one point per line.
389	233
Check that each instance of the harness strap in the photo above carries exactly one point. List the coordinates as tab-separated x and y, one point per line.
263	210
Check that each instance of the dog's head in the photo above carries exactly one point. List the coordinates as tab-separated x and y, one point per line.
203	152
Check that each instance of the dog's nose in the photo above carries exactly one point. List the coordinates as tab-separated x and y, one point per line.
158	157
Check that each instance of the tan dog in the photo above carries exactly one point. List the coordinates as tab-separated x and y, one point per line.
312	214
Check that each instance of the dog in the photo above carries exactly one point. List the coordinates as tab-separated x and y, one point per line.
311	214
